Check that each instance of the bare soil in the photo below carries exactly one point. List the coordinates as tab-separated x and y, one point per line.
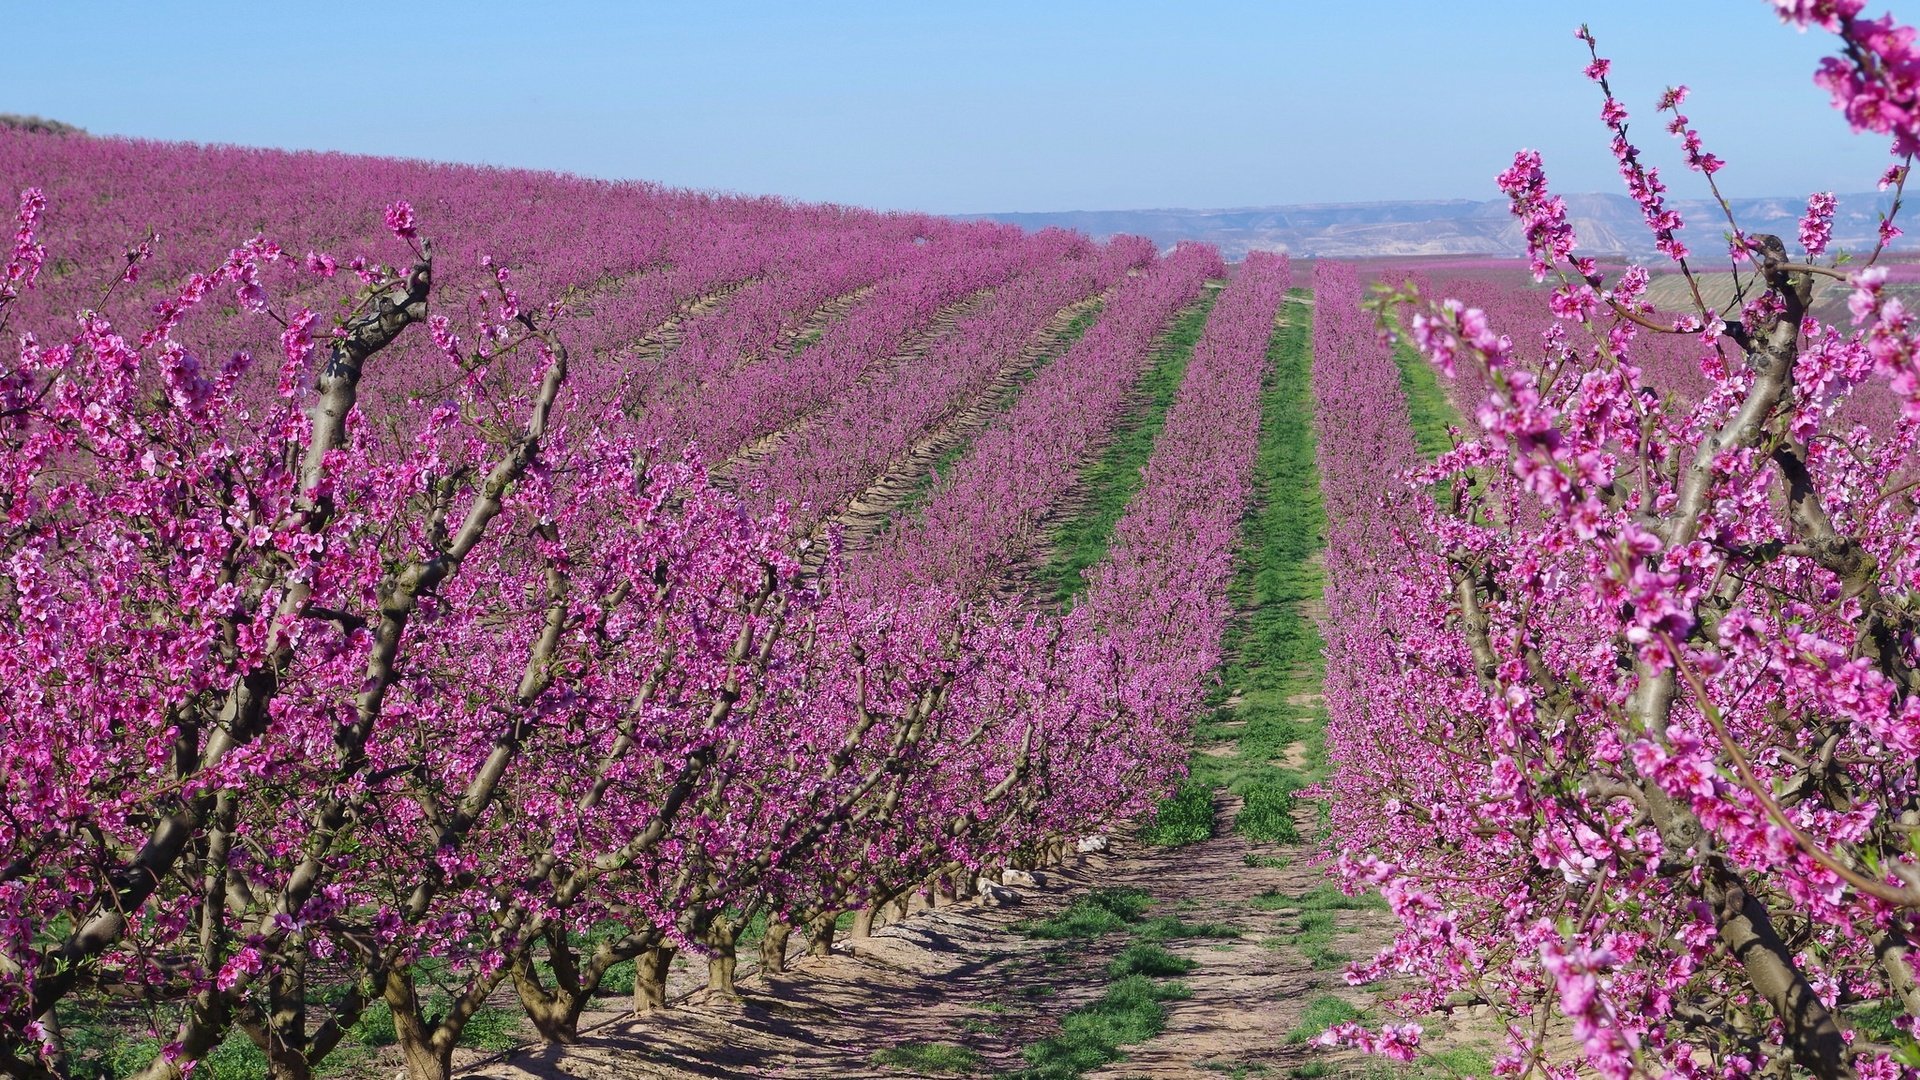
964	975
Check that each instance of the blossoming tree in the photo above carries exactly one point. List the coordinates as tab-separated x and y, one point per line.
1626	686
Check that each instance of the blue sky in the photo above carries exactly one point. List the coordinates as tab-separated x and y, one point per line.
956	107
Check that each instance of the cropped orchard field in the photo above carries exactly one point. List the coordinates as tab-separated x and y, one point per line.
473	621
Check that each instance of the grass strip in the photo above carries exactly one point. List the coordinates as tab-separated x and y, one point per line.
925	1057
1184	817
1111	479
1098	912
1132	1010
1428	407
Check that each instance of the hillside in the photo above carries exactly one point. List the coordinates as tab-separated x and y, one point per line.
1606	224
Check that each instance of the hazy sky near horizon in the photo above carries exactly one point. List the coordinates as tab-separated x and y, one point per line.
959	107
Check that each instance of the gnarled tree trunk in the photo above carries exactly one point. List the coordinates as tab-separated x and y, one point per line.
650	978
820	934
773	947
722	963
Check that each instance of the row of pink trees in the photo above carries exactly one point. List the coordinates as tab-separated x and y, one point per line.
849	446
1625	689
988	513
309	705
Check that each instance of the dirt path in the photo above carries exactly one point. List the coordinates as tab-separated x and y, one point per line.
965	976
815	325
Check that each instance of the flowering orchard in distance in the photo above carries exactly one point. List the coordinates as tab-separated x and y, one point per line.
345	660
1625	687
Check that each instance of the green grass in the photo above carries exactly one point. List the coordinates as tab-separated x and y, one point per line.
929	1058
1427	404
1110	481
1459	1061
1146	958
1450	1064
1098	912
102	1053
1132	1011
1170	928
1133	1008
1257	861
1320	1014
1319	924
805	340
375	1026
491	1029
1319	898
1267	814
1273	647
235	1059
1185	817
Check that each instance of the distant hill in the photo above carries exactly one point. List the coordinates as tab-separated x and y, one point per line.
1606	224
38	125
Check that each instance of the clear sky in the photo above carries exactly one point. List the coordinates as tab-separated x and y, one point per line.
955	106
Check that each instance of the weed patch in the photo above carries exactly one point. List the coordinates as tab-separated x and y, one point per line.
929	1058
1169	928
1320	1014
1146	958
1132	1011
1098	912
1185	817
1267	815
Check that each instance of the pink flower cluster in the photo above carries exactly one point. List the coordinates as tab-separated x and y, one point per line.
1644	183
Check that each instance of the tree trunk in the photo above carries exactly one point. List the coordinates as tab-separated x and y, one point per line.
722	963
555	1013
863	923
773	947
423	1060
287	1024
426	1057
287	1064
650	978
820	934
